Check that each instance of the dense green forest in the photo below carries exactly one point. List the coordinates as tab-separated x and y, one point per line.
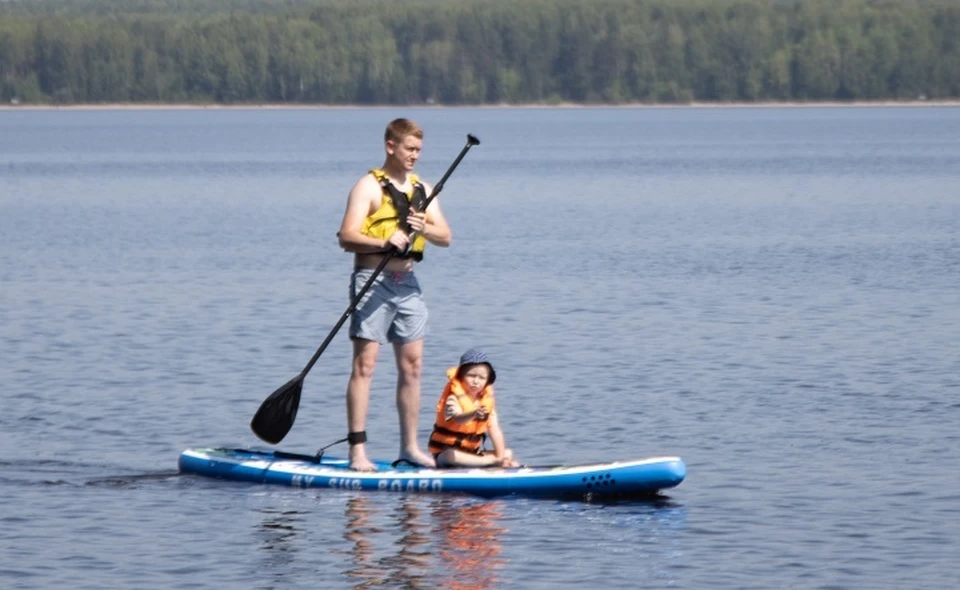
477	51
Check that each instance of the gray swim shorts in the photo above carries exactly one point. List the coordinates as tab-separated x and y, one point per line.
392	310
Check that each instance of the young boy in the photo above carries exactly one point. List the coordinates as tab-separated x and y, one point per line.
466	415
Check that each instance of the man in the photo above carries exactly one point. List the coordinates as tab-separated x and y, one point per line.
383	213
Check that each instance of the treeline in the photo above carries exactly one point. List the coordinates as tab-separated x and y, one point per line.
477	51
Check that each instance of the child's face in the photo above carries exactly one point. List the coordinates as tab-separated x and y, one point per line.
475	379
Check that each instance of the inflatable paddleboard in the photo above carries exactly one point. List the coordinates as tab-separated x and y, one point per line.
642	477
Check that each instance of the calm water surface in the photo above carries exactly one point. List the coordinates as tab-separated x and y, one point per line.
771	294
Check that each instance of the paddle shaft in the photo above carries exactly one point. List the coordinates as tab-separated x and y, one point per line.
387	257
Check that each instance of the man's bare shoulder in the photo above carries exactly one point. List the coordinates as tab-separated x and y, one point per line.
367	188
428	190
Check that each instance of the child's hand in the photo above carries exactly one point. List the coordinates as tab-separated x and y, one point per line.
481	413
507	459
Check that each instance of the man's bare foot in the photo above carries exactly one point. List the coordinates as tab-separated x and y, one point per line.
358	459
418	457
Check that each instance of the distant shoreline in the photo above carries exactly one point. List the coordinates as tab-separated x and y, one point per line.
280	106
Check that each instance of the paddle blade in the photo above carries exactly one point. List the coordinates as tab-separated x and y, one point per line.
275	417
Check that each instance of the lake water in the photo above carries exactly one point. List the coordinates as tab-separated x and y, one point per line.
771	294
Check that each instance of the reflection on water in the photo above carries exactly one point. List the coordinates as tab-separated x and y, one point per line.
405	559
470	537
423	542
412	560
462	542
395	542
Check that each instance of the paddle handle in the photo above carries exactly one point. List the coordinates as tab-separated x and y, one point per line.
387	257
471	141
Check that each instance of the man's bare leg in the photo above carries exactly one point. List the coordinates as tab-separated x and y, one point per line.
358	398
409	361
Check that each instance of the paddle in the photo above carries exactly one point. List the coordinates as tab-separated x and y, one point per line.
276	414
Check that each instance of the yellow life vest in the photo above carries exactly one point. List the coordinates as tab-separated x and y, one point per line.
392	213
467	436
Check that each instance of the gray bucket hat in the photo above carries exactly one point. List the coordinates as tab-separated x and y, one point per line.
475	356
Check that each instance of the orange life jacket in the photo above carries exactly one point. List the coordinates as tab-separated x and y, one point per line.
467	436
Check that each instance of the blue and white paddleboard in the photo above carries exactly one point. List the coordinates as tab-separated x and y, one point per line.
642	477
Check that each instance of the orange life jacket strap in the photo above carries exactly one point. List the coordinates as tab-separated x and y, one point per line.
475	440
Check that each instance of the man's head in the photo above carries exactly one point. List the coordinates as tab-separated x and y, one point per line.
398	129
403	140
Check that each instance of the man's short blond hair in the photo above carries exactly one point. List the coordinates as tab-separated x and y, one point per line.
401	128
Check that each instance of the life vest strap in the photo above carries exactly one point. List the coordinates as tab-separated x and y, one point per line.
460	437
402	204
